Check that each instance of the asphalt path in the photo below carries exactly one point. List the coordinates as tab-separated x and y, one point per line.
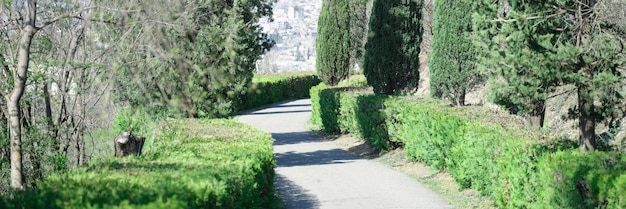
313	173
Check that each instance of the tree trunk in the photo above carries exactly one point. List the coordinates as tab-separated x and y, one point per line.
461	98
53	130
538	115
126	144
13	100
80	122
586	121
586	108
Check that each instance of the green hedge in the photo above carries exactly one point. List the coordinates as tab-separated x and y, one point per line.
350	110
269	89
191	164
517	168
582	180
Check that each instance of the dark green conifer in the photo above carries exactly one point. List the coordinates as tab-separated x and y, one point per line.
452	62
391	60
333	42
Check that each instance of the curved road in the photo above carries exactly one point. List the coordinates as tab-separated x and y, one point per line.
312	173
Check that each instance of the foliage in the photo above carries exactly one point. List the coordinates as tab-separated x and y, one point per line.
529	75
359	13
582	180
275	88
437	130
333	42
350	110
452	63
63	82
190	164
203	61
324	108
391	60
539	45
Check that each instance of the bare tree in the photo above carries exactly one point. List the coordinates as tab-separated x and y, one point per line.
58	77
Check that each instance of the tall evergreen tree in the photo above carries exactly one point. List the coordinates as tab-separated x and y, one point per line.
391	60
333	42
452	62
540	45
359	18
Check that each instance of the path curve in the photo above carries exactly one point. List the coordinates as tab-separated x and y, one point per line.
312	173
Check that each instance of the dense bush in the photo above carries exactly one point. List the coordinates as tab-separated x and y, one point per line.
276	88
350	110
582	180
436	130
190	164
482	149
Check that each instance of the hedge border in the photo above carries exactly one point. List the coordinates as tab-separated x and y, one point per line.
515	167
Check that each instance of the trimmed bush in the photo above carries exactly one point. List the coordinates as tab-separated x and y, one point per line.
191	164
350	110
276	88
582	180
436	130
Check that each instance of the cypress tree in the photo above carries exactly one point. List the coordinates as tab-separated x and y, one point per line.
333	42
359	18
391	60
452	62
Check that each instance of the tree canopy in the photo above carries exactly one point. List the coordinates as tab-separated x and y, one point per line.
540	45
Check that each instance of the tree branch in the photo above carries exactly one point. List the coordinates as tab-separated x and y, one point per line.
62	17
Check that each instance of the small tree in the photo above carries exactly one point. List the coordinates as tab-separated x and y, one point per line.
333	42
452	62
391	60
199	63
540	45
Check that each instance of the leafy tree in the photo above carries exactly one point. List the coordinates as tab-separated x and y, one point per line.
200	62
333	42
540	45
391	60
58	61
452	63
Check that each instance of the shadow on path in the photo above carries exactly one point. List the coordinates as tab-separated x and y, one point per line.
294	196
293	105
294	138
303	158
279	112
321	157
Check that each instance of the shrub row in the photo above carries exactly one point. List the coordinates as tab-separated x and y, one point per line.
516	168
350	110
191	164
276	88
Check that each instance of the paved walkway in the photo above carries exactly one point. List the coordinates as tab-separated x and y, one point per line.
312	173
